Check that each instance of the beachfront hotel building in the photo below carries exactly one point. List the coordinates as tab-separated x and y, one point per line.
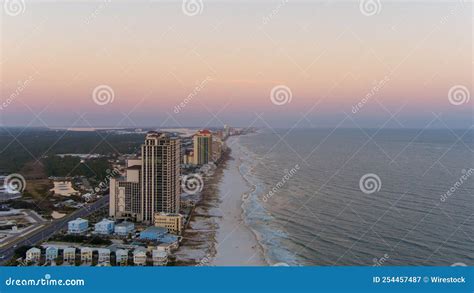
151	184
202	143
173	222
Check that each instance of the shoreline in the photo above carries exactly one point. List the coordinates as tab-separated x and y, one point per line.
218	234
237	244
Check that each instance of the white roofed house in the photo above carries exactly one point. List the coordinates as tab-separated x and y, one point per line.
104	227
160	257
124	228
33	255
121	257
78	226
104	255
51	253
86	255
139	257
69	255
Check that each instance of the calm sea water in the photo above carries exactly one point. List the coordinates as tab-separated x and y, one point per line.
318	214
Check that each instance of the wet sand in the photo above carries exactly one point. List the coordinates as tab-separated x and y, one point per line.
236	243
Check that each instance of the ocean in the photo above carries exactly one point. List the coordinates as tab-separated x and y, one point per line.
352	197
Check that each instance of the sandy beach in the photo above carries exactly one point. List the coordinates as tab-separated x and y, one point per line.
236	243
217	234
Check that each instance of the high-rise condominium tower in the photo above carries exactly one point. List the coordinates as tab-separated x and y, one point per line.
202	147
160	175
152	184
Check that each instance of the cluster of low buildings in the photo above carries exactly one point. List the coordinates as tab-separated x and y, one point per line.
105	227
138	256
149	194
165	225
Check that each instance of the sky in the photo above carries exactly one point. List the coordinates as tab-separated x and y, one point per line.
278	64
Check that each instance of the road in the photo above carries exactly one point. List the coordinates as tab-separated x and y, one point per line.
40	235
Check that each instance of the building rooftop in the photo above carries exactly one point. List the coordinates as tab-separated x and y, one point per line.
153	229
204	132
125	224
105	221
134	167
78	220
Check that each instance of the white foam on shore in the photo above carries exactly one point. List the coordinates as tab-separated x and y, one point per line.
236	244
255	216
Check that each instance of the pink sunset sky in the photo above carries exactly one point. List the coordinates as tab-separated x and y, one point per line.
223	63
